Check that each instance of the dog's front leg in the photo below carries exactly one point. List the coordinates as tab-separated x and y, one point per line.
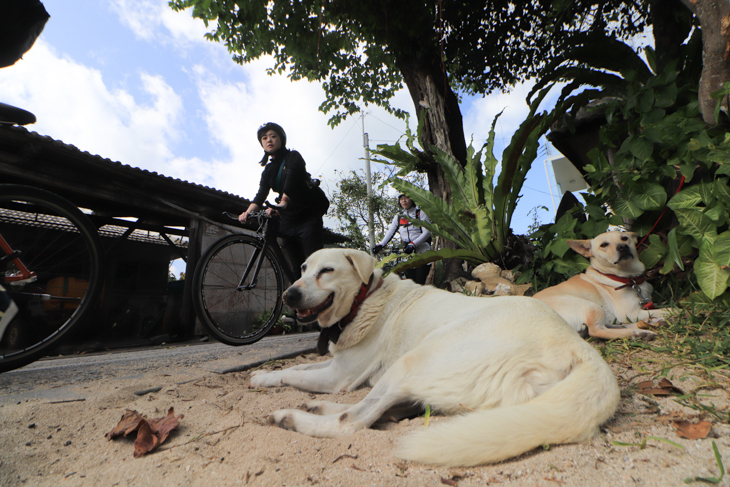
324	377
387	393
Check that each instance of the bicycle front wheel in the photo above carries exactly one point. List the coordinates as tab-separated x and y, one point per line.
238	311
62	249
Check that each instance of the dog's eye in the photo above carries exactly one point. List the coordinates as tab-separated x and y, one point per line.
304	268
604	244
625	239
325	270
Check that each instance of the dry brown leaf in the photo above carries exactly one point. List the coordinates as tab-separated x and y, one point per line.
129	423
146	440
161	427
664	388
693	431
451	482
150	433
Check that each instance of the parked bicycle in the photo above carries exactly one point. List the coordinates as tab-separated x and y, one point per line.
239	282
51	265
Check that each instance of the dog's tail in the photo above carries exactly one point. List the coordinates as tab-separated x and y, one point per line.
570	411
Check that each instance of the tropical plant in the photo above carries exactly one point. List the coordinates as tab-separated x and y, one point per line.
476	221
653	144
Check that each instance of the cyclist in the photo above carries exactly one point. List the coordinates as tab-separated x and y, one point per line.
301	202
414	239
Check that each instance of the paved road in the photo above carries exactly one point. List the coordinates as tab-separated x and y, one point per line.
57	378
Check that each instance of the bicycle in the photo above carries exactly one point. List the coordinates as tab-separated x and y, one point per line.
51	266
239	282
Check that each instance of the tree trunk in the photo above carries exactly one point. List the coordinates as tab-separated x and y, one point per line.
443	128
714	17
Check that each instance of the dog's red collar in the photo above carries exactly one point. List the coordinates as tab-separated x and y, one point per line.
332	333
633	282
626	281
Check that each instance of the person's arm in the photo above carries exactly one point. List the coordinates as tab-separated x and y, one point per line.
259	199
425	232
391	231
297	175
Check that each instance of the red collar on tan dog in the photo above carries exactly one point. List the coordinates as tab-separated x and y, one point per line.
626	281
629	281
332	333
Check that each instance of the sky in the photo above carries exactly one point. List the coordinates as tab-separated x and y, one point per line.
137	83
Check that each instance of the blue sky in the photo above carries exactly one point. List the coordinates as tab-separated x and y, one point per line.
135	82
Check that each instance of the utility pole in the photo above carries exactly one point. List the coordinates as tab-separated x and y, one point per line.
366	145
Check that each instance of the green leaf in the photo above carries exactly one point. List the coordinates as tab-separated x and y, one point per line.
711	277
687	198
626	208
696	224
640	147
674	254
652	197
653	254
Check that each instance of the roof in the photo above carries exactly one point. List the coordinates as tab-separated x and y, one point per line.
109	188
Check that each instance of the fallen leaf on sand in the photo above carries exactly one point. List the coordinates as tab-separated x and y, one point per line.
664	388
150	433
693	431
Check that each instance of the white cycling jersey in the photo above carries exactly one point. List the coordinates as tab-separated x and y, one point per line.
409	233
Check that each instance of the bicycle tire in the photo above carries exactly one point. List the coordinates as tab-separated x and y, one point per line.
60	244
237	316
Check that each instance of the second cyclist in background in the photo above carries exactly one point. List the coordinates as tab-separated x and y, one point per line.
414	239
302	203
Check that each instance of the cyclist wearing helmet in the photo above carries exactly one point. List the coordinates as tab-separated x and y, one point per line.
414	239
301	203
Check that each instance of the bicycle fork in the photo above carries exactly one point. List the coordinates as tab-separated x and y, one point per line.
256	260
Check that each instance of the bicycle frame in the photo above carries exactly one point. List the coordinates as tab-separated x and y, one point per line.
257	258
24	273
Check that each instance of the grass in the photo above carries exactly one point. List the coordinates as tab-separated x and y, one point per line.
698	337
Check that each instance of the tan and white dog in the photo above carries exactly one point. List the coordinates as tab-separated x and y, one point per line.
610	297
513	373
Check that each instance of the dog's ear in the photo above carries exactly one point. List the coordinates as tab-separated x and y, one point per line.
363	264
633	236
583	247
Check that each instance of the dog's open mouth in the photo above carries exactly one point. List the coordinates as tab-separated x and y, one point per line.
311	314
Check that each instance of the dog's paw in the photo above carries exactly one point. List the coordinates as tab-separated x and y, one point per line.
644	334
262	378
283	419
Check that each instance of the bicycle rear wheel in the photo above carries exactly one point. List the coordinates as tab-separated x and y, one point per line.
58	243
238	313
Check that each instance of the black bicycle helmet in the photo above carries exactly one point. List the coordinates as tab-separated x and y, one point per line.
271	126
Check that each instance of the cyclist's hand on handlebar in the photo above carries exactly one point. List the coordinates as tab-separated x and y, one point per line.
377	249
244	216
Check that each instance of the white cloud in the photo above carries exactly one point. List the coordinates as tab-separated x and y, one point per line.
155	21
74	104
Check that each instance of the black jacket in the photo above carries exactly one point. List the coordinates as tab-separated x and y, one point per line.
304	202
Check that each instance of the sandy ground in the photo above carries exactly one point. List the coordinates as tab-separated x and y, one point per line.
223	439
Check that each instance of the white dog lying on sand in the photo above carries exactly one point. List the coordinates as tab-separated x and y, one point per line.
513	373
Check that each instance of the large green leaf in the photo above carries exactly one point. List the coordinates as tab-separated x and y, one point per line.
652	197
687	198
696	224
711	276
626	208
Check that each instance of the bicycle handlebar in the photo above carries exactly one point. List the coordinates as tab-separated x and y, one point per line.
256	214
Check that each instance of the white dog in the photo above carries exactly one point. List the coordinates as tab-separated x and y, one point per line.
611	296
512	371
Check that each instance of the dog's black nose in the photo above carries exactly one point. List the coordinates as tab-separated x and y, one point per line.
623	249
292	296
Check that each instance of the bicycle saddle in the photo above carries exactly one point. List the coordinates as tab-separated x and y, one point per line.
15	116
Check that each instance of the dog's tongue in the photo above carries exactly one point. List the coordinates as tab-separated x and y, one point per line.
303	313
